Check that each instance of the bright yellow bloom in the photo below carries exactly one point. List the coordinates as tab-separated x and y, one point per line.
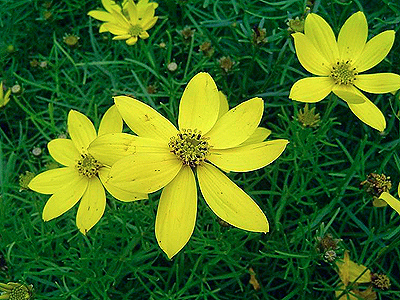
15	291
83	176
4	99
338	64
161	156
392	201
128	22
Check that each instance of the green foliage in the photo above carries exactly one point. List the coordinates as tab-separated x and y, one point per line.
312	189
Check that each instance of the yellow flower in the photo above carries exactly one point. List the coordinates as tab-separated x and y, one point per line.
161	156
128	22
391	201
83	177
4	99
338	64
16	291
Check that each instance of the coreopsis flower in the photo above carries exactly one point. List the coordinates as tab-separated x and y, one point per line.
127	22
83	177
338	65
4	98
162	156
15	291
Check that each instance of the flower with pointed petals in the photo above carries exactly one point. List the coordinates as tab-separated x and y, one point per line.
338	65
162	156
83	176
129	22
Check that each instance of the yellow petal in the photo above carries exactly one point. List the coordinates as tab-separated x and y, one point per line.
110	148
199	105
350	272
144	120
237	125
378	83
229	202
81	130
392	201
109	5
65	198
51	181
349	94
92	206
101	15
132	40
223	104
322	36
363	108
247	158
116	192
111	121
375	51
145	172
144	35
132	11
176	213
311	89
122	37
352	37
115	29
259	135
63	151
309	57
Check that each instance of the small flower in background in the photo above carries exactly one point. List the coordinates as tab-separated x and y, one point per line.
375	185
162	45
328	247
16	89
37	151
151	89
295	25
43	64
187	33
47	14
4	97
24	180
71	40
226	63
34	63
127	22
10	48
337	65
258	35
253	280
172	66
83	177
206	49
16	291
380	281
162	156
308	118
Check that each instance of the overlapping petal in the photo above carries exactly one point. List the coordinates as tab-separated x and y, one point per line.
259	135
310	58
391	201
349	94
101	15
176	213
63	151
352	37
322	36
92	206
247	158
311	89
199	106
375	50
237	125
81	130
145	172
378	83
117	193
229	202
51	181
111	122
223	104
144	120
65	198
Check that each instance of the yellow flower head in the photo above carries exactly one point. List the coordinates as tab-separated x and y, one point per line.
163	156
127	22
338	65
83	177
4	98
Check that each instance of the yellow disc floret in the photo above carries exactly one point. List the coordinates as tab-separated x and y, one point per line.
135	30
190	147
343	73
88	166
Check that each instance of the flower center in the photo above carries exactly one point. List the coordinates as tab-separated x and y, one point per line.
190	147
135	30
20	293
343	73
88	166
